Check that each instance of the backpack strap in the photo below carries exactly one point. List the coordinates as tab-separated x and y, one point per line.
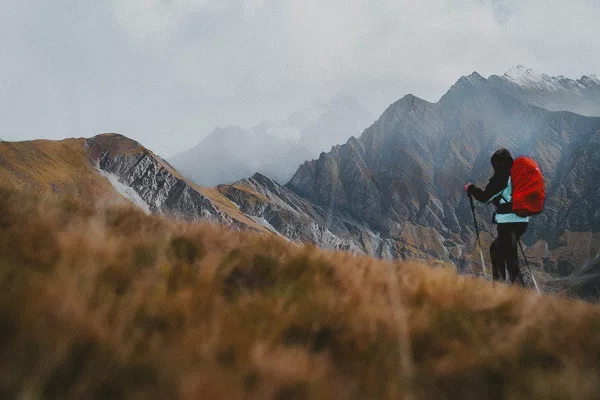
504	208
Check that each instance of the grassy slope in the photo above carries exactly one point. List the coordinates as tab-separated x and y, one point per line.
52	166
116	304
63	167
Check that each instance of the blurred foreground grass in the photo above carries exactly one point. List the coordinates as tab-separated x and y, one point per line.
108	303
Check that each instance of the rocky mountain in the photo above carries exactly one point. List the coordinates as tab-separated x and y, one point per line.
274	149
154	182
298	219
274	206
393	192
111	168
554	93
409	167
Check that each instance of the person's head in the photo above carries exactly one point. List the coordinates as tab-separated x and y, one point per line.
502	160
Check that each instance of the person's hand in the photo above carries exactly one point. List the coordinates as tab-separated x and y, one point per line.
466	187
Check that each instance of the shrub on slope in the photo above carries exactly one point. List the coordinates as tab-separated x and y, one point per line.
110	303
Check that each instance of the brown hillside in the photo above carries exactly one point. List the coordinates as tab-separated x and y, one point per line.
53	166
64	168
112	303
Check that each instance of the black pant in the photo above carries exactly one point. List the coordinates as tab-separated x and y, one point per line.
504	252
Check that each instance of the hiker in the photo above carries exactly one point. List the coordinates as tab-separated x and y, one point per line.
498	191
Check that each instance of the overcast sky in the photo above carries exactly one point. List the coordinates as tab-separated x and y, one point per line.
166	72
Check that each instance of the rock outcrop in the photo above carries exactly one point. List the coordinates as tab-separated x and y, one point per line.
156	183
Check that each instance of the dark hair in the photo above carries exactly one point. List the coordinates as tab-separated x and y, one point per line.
502	160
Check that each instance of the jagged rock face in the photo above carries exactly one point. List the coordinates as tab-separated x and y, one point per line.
409	167
284	212
574	186
152	179
296	218
368	178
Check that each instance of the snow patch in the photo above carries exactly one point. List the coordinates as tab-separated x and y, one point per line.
128	192
529	78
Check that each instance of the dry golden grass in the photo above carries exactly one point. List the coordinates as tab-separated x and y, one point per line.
110	303
54	167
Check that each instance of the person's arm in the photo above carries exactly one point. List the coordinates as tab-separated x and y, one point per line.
495	186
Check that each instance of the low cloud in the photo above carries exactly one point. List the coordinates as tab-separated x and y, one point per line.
166	72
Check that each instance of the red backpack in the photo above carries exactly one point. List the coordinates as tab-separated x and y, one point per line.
527	187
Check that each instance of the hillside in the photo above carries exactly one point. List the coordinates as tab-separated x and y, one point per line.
113	169
53	166
111	303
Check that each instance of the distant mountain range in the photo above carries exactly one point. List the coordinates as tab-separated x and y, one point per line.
274	149
554	93
393	192
232	153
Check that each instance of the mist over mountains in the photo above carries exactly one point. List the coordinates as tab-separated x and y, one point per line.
276	148
393	192
232	153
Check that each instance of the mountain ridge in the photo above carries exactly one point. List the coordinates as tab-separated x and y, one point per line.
554	93
394	191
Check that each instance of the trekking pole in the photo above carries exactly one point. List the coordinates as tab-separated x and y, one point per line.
478	240
527	263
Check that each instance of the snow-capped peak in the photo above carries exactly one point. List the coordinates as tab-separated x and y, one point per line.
527	77
594	78
522	74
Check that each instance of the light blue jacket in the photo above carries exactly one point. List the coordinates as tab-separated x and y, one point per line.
506	197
